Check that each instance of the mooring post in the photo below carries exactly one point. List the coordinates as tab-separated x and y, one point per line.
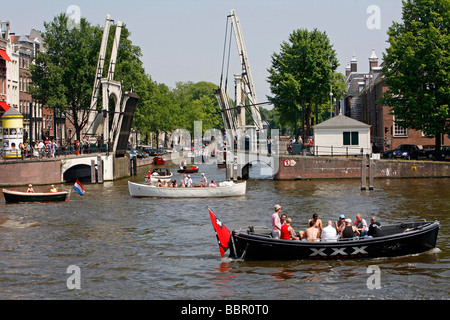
371	174
363	172
99	169
93	178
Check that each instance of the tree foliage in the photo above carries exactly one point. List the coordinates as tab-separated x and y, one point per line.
302	74
417	67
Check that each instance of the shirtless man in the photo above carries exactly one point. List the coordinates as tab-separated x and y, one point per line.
317	222
312	233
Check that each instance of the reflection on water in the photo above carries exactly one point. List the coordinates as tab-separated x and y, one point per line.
131	248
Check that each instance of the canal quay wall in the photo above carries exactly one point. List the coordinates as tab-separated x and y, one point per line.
48	171
309	167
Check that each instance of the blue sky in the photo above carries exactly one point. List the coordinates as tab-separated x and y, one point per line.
182	40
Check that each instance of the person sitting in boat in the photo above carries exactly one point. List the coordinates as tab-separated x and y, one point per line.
312	233
53	189
213	184
317	222
159	184
283	218
340	224
374	228
349	232
287	232
182	185
189	183
165	184
203	181
329	232
173	184
30	188
361	224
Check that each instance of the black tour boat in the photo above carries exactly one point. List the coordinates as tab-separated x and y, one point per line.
257	244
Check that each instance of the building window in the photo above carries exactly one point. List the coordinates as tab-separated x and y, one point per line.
351	138
399	131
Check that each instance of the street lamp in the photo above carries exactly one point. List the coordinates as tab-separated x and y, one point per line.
331	101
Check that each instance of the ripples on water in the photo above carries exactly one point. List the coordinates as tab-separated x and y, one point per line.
131	248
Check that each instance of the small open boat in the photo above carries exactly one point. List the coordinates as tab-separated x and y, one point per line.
161	174
228	189
257	243
12	196
188	169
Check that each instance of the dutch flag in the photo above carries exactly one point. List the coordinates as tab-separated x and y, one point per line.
78	188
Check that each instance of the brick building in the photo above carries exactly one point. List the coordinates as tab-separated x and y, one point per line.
361	103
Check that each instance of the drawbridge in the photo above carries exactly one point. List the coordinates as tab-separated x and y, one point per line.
246	132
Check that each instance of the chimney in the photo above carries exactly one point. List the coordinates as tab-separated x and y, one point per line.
373	61
353	64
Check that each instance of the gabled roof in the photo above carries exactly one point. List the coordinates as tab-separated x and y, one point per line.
341	122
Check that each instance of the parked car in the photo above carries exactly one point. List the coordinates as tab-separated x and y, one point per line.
138	153
407	151
150	151
443	154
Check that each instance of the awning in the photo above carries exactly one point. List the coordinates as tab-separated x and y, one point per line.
4	106
4	55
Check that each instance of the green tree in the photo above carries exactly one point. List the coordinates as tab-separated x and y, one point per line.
301	75
417	67
63	74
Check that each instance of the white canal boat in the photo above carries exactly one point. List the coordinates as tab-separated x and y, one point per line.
223	189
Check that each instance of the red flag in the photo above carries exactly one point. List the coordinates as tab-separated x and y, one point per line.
222	233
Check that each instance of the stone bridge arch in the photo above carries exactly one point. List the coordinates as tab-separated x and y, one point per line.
246	159
82	167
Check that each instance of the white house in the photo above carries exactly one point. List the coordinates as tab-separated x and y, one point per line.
341	135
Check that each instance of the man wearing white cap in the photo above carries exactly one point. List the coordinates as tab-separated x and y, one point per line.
349	231
189	183
276	224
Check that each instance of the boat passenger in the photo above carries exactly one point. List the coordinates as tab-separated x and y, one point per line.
189	183
213	184
312	233
317	222
165	184
349	231
287	232
374	228
30	188
174	184
340	224
159	184
283	219
53	189
182	185
361	224
329	233
276	225
203	181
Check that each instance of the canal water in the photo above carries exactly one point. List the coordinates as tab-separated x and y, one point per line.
129	248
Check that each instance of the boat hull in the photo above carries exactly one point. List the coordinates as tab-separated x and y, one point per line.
141	191
17	196
419	238
193	169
